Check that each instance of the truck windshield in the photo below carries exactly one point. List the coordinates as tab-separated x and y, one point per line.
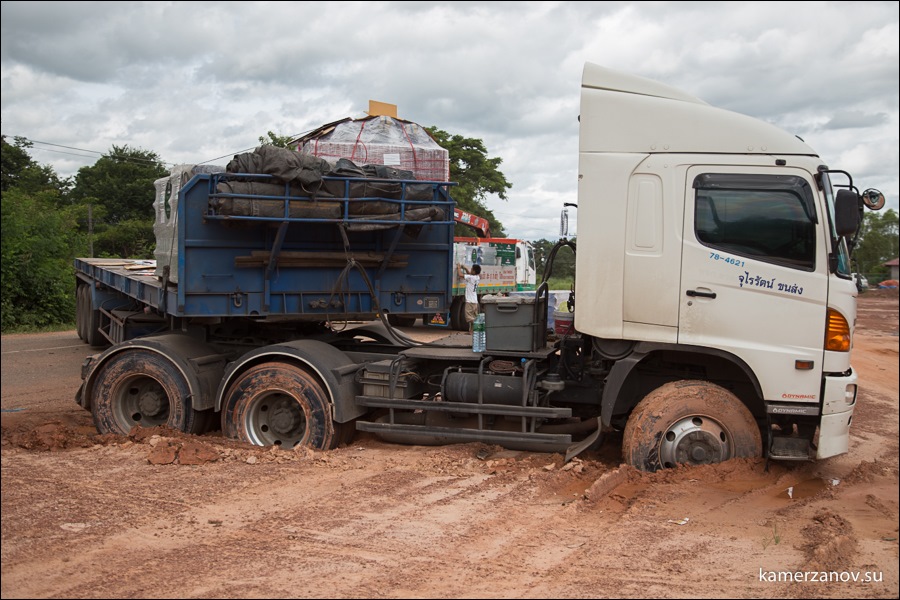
838	244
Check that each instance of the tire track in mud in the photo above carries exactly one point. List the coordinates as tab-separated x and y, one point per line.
284	517
468	532
411	520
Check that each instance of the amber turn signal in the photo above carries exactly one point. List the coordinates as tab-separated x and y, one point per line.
837	332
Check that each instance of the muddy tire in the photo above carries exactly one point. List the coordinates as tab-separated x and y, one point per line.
281	404
141	388
689	422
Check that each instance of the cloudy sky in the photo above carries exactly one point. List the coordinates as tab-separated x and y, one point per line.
200	81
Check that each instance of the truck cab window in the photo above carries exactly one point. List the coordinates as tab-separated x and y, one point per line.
768	218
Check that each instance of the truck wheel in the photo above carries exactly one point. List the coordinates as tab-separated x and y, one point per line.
689	422
92	322
141	388
458	314
280	404
79	310
401	320
87	319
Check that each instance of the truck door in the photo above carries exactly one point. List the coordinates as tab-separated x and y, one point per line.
754	276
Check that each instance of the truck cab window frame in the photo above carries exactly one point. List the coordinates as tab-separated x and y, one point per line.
770	218
842	266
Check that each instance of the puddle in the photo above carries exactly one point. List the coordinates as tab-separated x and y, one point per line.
807	488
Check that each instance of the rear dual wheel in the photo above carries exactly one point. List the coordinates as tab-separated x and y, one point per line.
140	388
79	310
88	319
281	404
458	314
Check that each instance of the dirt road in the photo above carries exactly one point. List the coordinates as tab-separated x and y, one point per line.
163	515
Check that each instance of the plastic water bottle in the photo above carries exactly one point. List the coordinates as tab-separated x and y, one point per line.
479	336
483	341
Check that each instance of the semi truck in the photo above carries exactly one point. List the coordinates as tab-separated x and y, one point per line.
713	302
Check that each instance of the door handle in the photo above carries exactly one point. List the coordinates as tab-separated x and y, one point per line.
696	294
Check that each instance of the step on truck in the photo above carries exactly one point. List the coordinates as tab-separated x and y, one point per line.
713	298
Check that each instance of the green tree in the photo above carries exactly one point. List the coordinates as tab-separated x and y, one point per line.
14	161
115	198
878	243
122	183
19	170
37	244
282	141
563	274
477	175
133	238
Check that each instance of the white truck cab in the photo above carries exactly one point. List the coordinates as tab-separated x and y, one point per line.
711	247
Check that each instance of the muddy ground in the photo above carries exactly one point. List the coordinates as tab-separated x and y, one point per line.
170	516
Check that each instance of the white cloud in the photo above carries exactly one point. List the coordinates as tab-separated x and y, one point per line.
195	81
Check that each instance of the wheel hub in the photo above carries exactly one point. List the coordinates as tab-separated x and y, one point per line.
143	401
276	419
152	404
695	441
284	418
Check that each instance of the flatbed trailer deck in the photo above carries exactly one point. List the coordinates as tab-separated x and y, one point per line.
245	245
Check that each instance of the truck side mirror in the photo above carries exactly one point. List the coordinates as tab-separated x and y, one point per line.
846	213
873	199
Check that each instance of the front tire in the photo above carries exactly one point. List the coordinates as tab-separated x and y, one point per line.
137	387
281	404
689	422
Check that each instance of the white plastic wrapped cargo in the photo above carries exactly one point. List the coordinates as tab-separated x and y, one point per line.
380	140
165	206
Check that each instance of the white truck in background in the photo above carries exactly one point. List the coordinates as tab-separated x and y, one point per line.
507	265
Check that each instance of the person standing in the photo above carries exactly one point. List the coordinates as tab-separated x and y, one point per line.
472	277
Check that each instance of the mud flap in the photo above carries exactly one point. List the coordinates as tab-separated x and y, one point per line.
579	447
437	320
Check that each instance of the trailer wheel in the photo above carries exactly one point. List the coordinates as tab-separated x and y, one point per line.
141	388
280	404
92	322
689	422
79	310
458	314
87	319
401	320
